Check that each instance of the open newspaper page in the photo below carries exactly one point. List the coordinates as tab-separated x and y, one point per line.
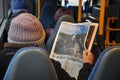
69	45
91	35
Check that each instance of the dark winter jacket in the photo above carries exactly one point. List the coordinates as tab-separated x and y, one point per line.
9	49
63	75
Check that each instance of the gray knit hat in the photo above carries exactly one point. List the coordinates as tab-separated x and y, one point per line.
26	28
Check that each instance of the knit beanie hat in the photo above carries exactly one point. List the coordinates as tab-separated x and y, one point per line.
26	28
20	5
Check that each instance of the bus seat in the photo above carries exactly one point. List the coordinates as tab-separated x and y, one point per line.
107	66
50	41
47	14
31	63
42	2
94	17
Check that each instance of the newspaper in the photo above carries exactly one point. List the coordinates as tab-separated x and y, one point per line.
69	44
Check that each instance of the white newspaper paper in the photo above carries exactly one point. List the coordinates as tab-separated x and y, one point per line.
69	45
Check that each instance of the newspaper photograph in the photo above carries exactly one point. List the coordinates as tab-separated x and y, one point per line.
69	44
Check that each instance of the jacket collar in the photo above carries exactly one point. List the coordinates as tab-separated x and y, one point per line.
16	46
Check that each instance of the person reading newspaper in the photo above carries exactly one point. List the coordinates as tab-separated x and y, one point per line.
88	59
69	45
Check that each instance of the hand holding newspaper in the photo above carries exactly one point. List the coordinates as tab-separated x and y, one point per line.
70	41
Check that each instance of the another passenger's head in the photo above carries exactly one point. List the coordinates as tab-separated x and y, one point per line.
26	29
20	6
62	11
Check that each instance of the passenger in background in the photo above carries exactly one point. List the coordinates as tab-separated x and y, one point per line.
60	12
25	30
20	6
17	7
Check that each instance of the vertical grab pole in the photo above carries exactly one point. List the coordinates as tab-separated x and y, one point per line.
80	11
102	14
39	9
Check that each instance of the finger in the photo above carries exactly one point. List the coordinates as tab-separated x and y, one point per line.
91	55
85	53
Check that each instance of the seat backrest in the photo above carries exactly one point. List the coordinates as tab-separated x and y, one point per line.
96	12
107	66
47	14
50	41
31	63
42	2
